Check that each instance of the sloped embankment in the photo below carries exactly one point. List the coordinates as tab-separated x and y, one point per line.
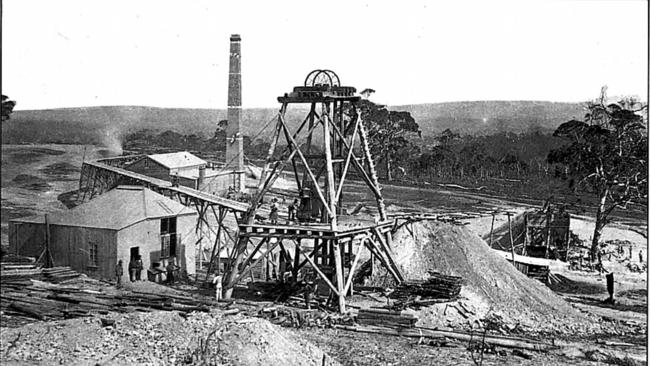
491	284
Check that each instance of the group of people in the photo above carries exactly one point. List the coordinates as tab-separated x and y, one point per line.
135	270
293	207
621	252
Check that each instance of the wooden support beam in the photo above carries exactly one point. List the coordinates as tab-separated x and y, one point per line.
512	244
277	170
389	255
246	270
222	214
322	275
317	247
296	261
348	283
255	250
331	195
382	258
374	186
373	174
250	219
311	174
312	111
293	161
347	159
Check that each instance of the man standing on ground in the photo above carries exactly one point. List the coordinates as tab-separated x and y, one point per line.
640	256
132	267
119	271
138	268
170	271
218	285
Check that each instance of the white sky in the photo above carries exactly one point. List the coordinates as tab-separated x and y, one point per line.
175	53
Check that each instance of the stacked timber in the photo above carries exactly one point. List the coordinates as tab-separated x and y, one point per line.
299	318
386	318
23	300
59	274
437	286
19	271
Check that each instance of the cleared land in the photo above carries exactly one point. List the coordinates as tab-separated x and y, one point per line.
571	308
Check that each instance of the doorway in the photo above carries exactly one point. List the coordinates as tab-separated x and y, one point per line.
135	253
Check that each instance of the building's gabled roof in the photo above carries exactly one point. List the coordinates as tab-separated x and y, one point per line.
179	159
116	209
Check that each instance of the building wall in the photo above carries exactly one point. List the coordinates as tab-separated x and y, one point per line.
188	171
217	185
149	168
146	236
69	246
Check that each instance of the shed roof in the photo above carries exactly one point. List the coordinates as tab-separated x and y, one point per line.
116	209
179	159
534	261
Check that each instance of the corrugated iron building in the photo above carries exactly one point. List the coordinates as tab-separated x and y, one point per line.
120	224
188	169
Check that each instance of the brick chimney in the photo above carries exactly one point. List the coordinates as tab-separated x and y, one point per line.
201	179
234	138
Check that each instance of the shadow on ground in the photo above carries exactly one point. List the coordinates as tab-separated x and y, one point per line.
592	301
565	285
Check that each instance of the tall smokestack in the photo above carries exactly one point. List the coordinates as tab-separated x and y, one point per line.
235	140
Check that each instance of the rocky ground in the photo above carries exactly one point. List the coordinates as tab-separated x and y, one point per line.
158	338
592	333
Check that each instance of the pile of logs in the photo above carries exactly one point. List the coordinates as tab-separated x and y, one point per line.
25	271
58	274
21	300
298	318
385	317
19	271
437	286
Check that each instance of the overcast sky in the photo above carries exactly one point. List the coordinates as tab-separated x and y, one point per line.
175	53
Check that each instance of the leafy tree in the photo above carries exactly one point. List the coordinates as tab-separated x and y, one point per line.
388	132
448	137
606	154
7	107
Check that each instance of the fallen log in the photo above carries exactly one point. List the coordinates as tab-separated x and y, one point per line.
429	333
27	311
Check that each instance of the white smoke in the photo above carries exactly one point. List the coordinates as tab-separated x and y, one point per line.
111	138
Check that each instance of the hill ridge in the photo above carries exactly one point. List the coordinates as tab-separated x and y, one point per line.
92	123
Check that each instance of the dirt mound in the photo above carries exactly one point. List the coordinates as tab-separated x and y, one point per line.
491	284
158	338
61	170
31	182
10	210
28	155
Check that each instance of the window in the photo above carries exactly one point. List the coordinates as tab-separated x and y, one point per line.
92	254
146	163
164	245
168	237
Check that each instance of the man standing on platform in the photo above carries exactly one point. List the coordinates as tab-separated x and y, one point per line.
274	212
292	210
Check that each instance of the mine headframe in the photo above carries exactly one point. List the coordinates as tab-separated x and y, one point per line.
321	153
